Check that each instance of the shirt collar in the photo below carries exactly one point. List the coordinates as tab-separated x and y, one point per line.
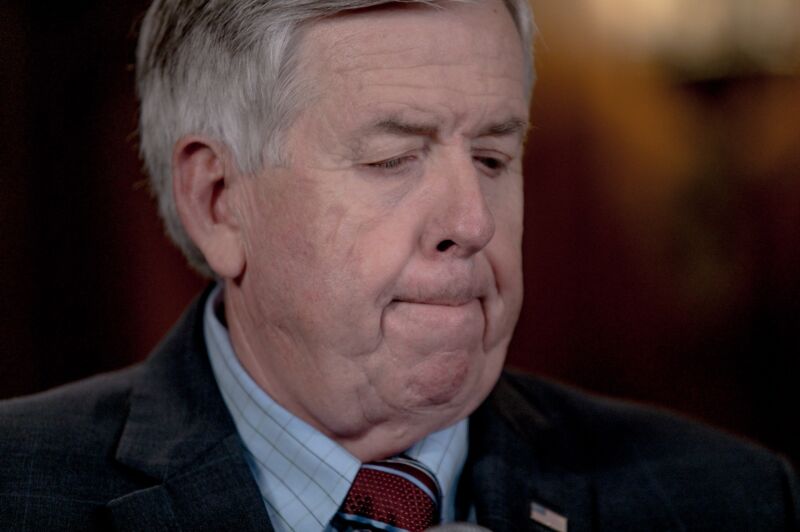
303	475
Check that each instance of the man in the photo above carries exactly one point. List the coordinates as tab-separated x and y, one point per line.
350	174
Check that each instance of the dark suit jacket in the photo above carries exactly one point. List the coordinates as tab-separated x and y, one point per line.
153	448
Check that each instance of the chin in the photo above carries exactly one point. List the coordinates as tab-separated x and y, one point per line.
447	379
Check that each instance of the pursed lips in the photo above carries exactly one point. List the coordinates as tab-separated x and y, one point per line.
442	298
446	305
451	318
452	294
449	323
442	302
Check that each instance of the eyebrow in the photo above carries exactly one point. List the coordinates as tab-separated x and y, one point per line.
512	126
395	126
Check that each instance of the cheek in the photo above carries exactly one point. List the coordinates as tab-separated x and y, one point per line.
380	246
337	267
505	250
506	200
505	258
281	227
508	271
503	310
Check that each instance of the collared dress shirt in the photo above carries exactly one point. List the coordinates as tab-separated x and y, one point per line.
303	475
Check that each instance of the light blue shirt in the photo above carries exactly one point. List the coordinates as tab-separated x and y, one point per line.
303	475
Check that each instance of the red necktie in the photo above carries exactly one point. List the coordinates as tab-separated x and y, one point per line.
399	492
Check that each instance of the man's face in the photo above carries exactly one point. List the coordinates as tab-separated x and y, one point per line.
383	276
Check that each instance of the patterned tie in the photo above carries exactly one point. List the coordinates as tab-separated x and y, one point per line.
396	494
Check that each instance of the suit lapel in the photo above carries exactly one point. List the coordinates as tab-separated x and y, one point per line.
215	493
179	435
528	448
515	460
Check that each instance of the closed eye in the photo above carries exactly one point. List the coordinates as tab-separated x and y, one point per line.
493	165
390	164
393	165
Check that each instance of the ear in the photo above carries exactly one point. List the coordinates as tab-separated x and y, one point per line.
202	186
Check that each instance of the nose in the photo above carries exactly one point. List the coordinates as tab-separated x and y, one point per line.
461	223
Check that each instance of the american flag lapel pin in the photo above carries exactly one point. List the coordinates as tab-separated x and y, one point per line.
549	518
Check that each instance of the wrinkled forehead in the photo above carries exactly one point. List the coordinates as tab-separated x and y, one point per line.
408	36
457	71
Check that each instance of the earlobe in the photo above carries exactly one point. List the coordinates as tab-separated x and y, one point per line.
202	184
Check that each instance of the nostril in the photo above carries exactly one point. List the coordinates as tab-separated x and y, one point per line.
444	245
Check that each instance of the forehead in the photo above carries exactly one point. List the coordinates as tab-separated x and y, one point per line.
485	25
460	53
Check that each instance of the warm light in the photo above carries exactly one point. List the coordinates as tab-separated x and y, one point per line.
754	34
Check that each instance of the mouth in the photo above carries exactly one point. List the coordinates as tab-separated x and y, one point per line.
435	325
438	301
444	312
446	296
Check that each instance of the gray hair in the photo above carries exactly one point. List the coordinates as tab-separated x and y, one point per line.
226	69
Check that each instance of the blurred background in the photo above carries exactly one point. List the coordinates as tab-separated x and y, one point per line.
662	248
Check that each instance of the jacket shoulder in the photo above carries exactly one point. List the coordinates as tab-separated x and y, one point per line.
693	469
606	423
86	409
57	450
